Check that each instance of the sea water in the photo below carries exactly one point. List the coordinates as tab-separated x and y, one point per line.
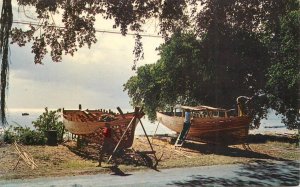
271	125
15	118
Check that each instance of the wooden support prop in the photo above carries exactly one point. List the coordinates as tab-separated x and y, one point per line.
132	120
247	147
148	141
121	112
183	154
137	113
155	132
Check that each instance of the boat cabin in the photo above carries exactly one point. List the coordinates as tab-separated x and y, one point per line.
200	111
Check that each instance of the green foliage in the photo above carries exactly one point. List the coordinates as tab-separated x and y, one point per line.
241	47
24	135
9	135
190	72
283	75
30	137
144	89
49	120
170	80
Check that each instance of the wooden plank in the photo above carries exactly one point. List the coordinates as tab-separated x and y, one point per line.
121	112
146	152
26	157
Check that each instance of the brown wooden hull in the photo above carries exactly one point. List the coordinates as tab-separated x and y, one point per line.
219	130
87	125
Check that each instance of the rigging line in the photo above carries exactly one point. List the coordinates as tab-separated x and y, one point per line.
97	30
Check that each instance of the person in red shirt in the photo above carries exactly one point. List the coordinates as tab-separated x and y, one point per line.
106	146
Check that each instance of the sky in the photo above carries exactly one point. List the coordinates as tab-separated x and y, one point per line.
93	77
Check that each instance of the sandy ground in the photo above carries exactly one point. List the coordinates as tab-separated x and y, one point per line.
67	159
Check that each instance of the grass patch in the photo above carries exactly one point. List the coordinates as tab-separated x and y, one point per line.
289	151
42	157
76	164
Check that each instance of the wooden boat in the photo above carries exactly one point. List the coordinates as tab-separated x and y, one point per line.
93	125
209	124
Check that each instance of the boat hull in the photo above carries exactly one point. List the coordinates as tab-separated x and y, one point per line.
84	128
92	130
218	130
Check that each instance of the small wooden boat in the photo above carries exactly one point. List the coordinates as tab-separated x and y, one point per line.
98	126
208	124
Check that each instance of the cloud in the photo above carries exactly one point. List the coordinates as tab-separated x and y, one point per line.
92	77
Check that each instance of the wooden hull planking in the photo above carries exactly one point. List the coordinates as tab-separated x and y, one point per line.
87	125
83	128
220	130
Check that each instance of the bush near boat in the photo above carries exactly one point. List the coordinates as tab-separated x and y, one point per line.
24	135
48	121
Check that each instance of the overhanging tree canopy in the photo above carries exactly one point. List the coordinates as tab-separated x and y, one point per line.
188	73
208	18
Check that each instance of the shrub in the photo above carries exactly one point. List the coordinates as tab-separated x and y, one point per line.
30	137
24	135
49	120
9	135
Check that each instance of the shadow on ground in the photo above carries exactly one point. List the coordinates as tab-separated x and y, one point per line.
125	157
256	173
117	171
234	151
263	138
226	151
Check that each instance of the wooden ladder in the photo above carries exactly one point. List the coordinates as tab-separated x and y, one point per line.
183	133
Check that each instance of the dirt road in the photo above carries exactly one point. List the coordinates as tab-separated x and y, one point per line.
257	173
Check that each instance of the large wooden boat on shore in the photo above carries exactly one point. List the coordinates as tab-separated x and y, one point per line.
98	126
208	124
